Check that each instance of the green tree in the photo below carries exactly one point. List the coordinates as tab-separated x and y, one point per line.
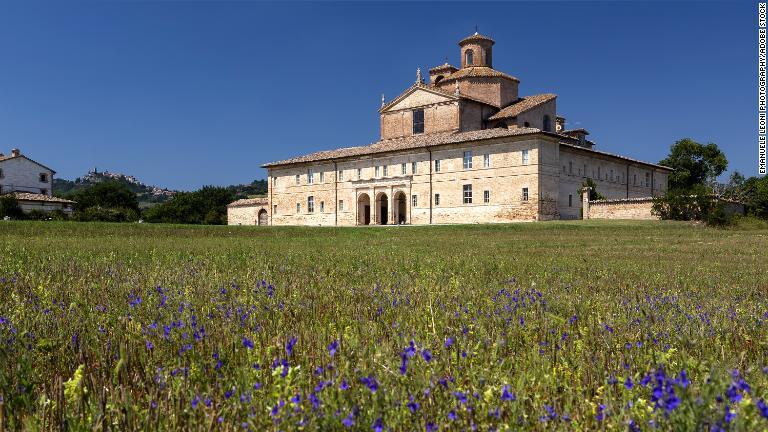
107	194
205	206
754	193
593	193
10	207
694	164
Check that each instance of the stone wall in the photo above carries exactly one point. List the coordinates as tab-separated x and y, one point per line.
246	212
632	208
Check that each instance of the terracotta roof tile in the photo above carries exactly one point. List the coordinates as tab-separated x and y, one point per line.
476	36
523	105
249	201
26	196
406	143
479	72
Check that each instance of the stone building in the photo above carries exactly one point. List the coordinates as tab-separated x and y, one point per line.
463	148
31	183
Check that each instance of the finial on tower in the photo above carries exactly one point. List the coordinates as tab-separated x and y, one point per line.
476	31
418	76
456	89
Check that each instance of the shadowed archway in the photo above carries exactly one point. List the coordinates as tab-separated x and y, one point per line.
364	209
382	209
263	218
399	204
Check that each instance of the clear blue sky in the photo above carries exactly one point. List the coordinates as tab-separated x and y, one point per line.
183	94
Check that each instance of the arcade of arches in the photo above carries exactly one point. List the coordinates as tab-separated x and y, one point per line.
385	209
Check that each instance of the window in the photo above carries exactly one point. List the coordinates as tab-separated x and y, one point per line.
634	179
43	178
414	201
322	206
525	157
570	200
468	194
311	204
486	161
469	57
570	167
298	207
437	199
274	181
526	124
274	209
44	191
341	175
611	175
486	196
322	176
599	173
647	179
525	194
310	177
341	205
376	171
418	121
403	169
413	167
385	170
437	165
298	181
547	124
467	160
359	173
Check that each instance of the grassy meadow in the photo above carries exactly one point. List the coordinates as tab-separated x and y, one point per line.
579	325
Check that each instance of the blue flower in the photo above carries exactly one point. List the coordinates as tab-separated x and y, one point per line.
349	421
761	405
599	416
729	414
289	346
413	405
448	342
628	383
333	347
149	345
378	425
247	343
506	395
370	382
431	427
452	415
344	385
427	355
462	397
195	401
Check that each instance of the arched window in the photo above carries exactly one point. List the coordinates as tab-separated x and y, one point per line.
547	124
469	57
439	78
526	124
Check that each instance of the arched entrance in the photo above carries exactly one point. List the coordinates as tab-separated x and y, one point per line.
263	218
399	205
382	208
364	209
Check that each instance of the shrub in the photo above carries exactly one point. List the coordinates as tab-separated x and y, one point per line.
9	207
100	214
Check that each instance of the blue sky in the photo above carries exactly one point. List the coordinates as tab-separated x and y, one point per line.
183	94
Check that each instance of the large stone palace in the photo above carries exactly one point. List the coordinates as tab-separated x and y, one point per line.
463	148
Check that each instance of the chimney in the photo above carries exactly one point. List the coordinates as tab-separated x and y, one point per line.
560	121
15	152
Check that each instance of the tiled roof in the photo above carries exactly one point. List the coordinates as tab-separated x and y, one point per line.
407	143
249	201
474	37
444	66
431	88
588	149
477	71
26	196
523	105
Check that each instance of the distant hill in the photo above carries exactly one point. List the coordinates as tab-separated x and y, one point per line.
147	195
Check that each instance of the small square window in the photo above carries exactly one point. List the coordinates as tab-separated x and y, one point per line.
437	199
310	204
525	157
322	206
274	209
403	169
418	121
414	201
413	167
322	176
486	161
341	175
341	205
43	178
525	194
298	179
359	173
376	171
385	170
437	165
467	194
310	177
274	181
570	200
298	207
486	196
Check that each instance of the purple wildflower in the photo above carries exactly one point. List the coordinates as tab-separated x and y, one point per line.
427	355
448	342
289	346
333	347
247	343
507	395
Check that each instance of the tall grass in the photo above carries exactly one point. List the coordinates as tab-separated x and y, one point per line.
566	325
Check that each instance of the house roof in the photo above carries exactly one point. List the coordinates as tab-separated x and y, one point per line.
429	88
522	105
406	143
474	37
477	72
249	201
5	158
26	196
591	150
444	66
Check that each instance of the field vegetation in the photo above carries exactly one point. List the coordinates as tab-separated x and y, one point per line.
549	326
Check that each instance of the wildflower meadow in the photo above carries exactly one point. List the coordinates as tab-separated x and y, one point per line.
579	325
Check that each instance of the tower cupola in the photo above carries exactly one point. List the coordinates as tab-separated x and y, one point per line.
476	50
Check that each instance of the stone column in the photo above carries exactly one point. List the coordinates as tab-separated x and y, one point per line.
585	202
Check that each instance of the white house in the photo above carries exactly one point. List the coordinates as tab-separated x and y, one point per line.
30	182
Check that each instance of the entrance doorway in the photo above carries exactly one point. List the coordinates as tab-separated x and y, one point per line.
364	210
382	205
263	218
400	208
